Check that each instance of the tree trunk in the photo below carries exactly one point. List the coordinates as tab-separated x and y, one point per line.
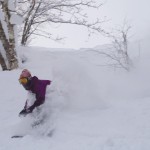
2	63
5	42
8	44
28	23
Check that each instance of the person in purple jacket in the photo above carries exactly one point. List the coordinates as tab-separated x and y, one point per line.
34	86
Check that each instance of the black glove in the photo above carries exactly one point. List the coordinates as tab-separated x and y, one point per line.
24	112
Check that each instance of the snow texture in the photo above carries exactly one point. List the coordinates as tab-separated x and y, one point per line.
88	106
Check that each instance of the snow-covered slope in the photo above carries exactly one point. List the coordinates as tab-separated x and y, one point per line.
97	108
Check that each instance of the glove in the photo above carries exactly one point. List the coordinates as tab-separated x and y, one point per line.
24	112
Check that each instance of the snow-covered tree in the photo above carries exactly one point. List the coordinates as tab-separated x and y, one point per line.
7	36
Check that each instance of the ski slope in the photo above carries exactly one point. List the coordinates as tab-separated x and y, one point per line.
92	107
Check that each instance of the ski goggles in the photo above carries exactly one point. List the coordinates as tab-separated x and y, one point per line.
23	81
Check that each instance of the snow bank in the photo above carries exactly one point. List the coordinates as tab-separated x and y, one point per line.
91	106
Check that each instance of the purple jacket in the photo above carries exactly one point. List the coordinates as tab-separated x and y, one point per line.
38	87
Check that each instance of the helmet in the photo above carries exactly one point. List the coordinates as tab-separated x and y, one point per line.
25	74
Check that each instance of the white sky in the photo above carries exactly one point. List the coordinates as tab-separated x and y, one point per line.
136	11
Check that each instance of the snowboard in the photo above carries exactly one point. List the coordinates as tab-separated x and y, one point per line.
17	136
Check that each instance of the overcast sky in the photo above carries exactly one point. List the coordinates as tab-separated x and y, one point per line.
136	11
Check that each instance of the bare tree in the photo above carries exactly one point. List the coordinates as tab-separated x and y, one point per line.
39	12
117	52
120	45
7	38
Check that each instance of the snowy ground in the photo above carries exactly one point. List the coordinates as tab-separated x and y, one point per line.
97	108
